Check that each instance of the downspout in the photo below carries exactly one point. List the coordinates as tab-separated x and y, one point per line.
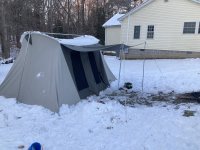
127	38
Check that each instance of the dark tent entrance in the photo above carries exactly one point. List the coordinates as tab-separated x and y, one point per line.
87	71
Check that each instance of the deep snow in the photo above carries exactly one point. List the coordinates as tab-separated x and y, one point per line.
91	125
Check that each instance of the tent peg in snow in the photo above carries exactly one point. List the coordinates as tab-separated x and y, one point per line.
51	71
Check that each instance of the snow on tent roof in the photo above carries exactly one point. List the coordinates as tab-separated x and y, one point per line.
80	41
113	21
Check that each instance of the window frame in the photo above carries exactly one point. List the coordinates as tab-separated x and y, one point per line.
150	32
199	28
137	34
188	28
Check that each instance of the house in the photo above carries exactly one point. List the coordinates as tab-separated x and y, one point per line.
162	29
113	30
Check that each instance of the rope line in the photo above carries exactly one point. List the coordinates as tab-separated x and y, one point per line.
138	44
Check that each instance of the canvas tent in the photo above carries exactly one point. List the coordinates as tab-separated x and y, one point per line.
50	73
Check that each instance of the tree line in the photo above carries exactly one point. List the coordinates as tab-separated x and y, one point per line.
56	16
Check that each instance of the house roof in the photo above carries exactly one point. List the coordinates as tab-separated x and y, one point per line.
145	3
135	9
113	21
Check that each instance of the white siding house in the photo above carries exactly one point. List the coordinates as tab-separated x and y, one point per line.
169	28
113	30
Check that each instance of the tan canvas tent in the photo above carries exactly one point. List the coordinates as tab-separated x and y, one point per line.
50	73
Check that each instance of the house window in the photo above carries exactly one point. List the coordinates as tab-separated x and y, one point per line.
125	50
189	27
136	32
150	32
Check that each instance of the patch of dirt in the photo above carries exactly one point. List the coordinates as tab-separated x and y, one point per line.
21	147
193	97
189	113
131	98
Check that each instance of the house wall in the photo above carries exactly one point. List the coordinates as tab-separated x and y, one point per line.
159	54
112	35
168	19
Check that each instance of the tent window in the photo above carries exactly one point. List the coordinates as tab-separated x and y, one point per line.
79	74
94	67
27	39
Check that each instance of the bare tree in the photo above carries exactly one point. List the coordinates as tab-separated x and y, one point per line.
3	31
68	16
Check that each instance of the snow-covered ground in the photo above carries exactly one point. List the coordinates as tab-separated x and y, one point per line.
179	75
91	125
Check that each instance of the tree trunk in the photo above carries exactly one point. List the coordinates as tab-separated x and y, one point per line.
82	16
68	16
4	38
78	17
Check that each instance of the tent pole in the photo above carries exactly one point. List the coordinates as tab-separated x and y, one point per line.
143	69
120	66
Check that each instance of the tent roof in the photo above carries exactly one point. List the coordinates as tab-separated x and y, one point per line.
67	39
84	43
